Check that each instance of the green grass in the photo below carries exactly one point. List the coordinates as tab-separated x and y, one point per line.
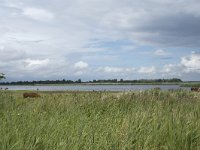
190	84
100	120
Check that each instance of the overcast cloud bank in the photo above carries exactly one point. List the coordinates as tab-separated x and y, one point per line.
94	39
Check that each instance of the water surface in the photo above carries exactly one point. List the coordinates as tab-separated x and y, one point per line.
93	87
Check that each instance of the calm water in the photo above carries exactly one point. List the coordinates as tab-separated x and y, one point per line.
94	87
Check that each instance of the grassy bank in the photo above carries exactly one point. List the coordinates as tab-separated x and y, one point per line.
190	84
100	120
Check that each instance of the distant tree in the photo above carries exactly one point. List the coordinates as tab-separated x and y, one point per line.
79	81
121	80
2	76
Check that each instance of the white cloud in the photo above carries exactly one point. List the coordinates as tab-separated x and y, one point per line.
81	65
147	70
168	68
80	69
127	72
191	62
38	14
113	70
34	64
120	70
172	70
161	53
79	73
188	66
2	47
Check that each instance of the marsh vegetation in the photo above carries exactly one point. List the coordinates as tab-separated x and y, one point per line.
150	119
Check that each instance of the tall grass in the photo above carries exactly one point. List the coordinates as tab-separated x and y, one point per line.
100	120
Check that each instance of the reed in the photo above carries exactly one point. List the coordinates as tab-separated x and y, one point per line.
100	120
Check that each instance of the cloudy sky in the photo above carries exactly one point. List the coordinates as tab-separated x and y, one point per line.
99	39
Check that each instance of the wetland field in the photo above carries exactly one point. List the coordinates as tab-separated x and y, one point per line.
150	119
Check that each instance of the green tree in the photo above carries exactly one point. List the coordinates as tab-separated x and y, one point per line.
79	81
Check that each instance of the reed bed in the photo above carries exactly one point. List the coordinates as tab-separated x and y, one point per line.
153	119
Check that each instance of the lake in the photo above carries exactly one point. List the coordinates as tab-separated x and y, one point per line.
93	87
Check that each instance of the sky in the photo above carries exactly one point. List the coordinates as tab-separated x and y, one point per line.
99	39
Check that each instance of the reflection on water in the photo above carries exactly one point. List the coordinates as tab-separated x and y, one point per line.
94	87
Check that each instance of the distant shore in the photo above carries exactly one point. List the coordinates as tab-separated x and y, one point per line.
63	84
182	84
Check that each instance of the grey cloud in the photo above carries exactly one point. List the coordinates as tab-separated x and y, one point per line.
157	23
9	54
180	30
160	23
8	12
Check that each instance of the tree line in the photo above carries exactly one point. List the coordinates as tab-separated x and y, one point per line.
63	81
138	81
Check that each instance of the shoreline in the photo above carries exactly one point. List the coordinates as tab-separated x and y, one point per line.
74	84
184	84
